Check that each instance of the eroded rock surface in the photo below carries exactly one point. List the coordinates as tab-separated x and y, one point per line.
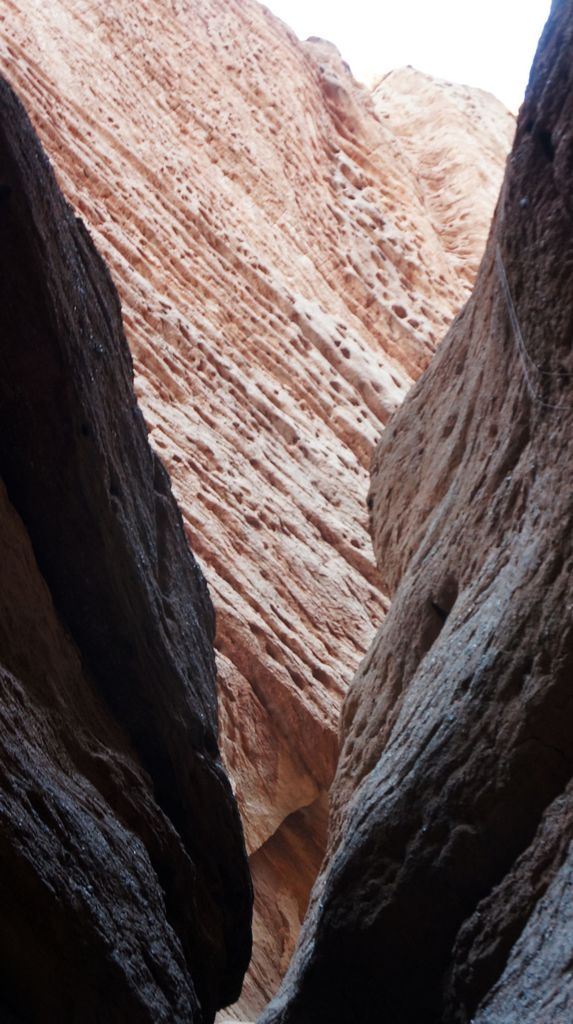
284	279
124	886
456	138
446	895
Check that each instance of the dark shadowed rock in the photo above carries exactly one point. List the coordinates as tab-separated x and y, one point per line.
446	895
124	885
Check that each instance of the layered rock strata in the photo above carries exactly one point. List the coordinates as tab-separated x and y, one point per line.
446	894
284	277
124	887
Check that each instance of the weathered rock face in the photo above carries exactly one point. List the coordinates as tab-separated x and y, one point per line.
456	139
284	277
124	886
446	895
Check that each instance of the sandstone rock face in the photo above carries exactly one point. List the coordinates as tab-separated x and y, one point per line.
284	278
124	886
454	134
446	894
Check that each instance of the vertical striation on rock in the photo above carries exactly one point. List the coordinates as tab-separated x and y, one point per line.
284	278
446	893
125	888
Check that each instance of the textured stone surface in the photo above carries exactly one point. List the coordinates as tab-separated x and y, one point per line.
124	884
284	279
446	895
456	135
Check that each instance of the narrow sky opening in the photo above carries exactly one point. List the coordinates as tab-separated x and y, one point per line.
490	45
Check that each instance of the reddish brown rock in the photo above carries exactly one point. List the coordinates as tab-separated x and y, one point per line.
446	893
283	281
124	886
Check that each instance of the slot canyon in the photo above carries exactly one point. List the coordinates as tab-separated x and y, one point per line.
286	650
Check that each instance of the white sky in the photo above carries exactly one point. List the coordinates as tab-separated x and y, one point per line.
489	44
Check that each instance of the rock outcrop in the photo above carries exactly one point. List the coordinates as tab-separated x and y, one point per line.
284	278
446	894
455	134
124	887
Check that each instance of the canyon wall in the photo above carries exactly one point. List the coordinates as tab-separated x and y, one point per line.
285	273
124	887
446	893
